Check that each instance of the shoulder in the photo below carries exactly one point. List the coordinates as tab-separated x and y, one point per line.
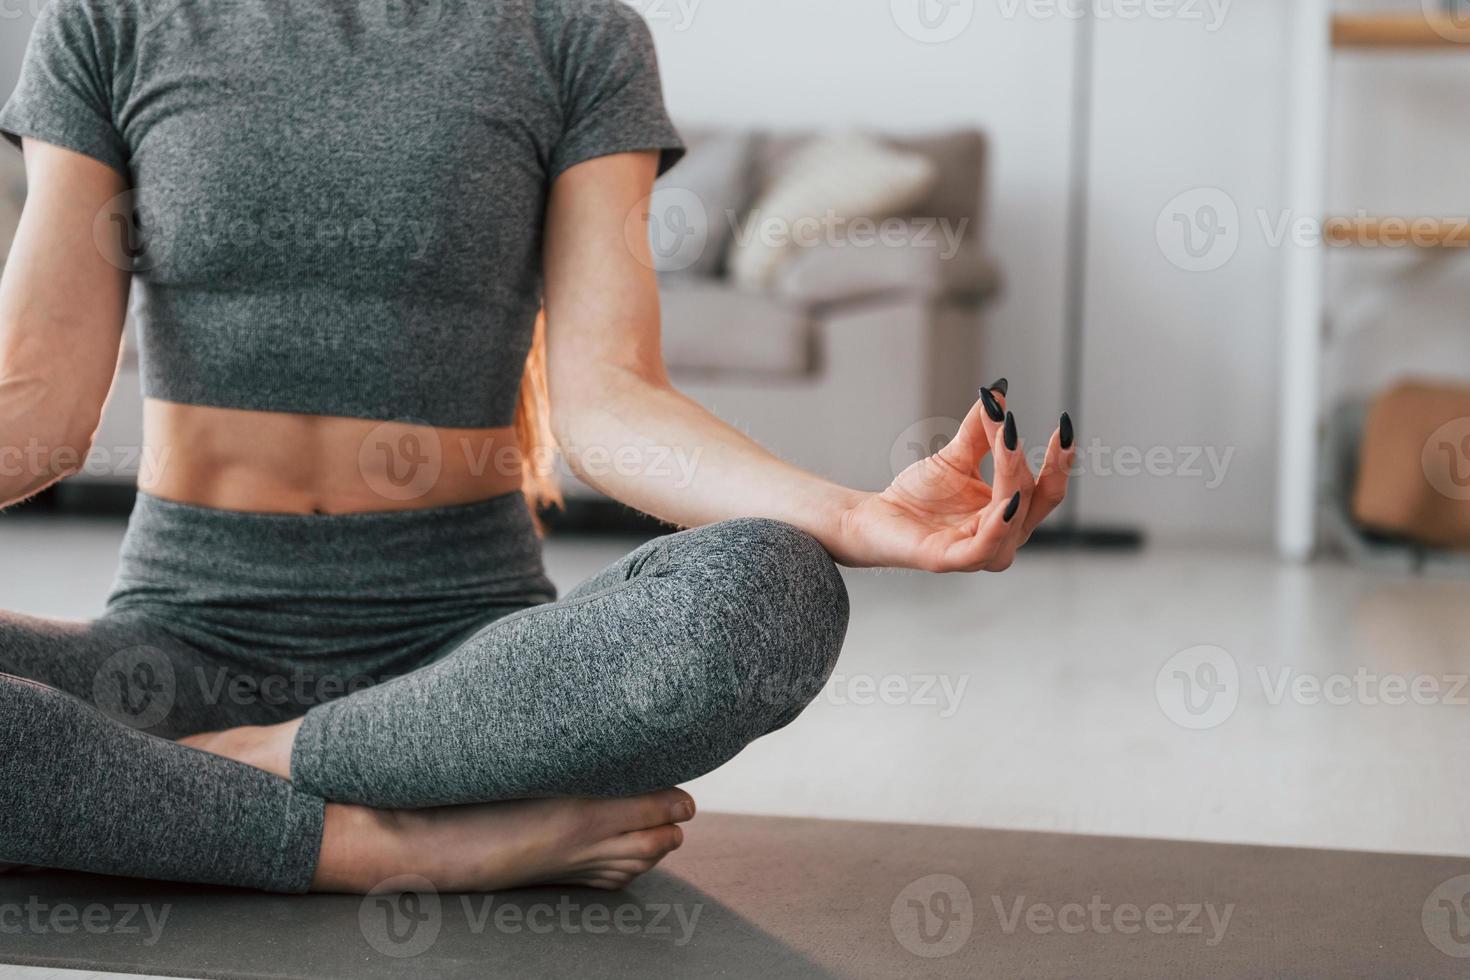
571	21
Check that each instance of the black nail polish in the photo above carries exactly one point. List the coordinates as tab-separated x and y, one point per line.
1003	386
1012	507
1067	434
1010	432
992	407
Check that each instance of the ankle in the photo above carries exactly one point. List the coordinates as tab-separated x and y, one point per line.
271	748
360	849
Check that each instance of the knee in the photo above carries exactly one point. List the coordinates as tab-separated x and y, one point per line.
785	615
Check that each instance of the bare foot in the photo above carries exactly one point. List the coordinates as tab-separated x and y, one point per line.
487	847
593	843
265	747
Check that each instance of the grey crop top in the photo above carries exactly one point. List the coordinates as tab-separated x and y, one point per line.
339	203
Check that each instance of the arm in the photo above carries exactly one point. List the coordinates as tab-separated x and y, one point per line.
62	306
610	396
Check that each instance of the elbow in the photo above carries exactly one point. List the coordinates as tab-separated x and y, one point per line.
70	455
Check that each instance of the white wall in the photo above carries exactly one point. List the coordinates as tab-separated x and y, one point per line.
811	63
1175	360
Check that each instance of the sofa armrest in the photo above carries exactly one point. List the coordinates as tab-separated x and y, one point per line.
916	260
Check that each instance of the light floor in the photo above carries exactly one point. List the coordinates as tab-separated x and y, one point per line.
1044	698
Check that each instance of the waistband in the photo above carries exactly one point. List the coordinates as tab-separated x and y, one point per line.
188	555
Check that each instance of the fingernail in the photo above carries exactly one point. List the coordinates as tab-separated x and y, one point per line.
1012	507
1003	386
992	407
1011	437
685	811
1066	430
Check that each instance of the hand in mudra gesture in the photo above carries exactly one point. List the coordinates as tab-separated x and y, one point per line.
940	516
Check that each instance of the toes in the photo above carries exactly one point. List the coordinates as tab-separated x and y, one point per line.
650	810
645	845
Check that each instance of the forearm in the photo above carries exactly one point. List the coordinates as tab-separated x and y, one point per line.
647	445
43	439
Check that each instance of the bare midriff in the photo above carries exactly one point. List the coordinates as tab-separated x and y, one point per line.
278	463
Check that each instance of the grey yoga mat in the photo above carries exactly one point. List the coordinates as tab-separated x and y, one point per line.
775	898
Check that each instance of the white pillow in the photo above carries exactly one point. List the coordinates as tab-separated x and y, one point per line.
829	181
690	228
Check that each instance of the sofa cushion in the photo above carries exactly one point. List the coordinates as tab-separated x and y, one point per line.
711	328
914	257
694	206
827	182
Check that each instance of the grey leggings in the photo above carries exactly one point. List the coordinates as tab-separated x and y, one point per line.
429	658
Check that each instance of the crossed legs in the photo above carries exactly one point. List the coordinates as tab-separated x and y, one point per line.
657	670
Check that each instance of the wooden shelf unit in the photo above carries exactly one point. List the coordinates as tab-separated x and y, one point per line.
1392	232
1390	31
1318	32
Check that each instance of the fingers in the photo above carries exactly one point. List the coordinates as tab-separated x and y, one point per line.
1056	473
971	444
1014	486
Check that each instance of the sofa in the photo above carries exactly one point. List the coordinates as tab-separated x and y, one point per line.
851	361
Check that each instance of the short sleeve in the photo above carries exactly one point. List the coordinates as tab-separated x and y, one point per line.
64	95
611	96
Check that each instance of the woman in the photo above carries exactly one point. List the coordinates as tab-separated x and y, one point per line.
331	586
